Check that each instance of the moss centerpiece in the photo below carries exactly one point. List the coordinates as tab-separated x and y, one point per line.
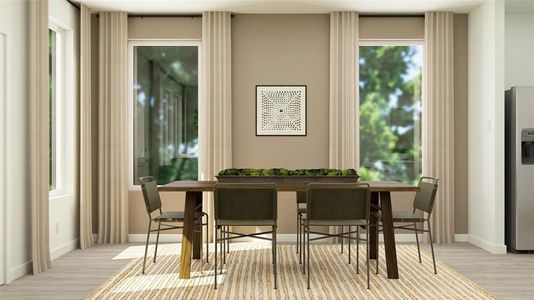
281	175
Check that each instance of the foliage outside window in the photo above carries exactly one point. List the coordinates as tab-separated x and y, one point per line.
53	94
390	112
165	91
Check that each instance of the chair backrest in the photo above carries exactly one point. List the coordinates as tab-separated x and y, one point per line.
425	197
339	201
301	197
150	193
245	201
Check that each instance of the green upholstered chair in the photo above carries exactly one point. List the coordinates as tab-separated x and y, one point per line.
340	204
240	204
153	206
423	202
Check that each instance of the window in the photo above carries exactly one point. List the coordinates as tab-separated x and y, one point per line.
390	111
54	93
165	110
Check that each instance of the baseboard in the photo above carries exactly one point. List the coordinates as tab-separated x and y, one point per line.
490	247
19	271
64	249
290	238
461	237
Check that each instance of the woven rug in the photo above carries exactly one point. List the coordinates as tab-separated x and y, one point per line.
248	275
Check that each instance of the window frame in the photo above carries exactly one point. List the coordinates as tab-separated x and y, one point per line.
59	103
398	42
146	42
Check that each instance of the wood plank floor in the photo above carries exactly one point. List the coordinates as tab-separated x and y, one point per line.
77	273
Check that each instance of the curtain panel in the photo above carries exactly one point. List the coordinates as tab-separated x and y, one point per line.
216	104
86	155
344	94
39	136
438	119
113	128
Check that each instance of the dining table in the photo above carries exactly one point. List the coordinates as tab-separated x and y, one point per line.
191	247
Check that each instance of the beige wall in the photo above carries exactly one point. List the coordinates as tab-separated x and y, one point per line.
294	49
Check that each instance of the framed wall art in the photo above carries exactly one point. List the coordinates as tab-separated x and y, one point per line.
281	110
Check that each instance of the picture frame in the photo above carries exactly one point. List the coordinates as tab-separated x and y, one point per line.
281	110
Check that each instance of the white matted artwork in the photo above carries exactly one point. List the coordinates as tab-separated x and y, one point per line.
281	110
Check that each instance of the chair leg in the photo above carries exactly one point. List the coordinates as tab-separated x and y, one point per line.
298	226
157	242
377	253
303	244
342	239
207	240
309	254
215	265
146	245
221	242
367	260
350	235
228	239
432	246
223	251
357	249
417	240
274	257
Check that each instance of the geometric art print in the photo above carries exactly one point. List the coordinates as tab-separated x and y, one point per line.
281	110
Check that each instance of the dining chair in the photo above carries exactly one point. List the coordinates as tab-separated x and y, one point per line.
301	211
240	204
423	201
153	204
337	204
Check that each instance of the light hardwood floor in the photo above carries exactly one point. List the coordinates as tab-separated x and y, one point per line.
76	274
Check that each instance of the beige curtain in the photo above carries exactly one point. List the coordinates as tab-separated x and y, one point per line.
216	104
344	94
438	120
113	129
39	118
86	155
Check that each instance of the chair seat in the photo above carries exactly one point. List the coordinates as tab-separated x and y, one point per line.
175	216
301	210
336	222
246	223
403	216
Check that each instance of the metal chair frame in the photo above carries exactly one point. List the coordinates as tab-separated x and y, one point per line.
413	227
223	236
305	230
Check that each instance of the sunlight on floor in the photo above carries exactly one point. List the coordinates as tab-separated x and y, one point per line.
139	251
165	281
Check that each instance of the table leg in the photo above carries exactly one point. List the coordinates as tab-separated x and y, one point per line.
373	229
197	235
191	199
389	235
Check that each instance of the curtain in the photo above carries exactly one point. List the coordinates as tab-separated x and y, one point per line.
113	129
438	120
39	135
344	94
86	155
216	104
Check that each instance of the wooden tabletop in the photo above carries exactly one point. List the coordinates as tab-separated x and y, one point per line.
208	186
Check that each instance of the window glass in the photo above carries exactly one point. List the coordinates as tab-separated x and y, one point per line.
165	91
52	98
390	112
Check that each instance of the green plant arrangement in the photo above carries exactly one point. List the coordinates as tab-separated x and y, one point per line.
286	172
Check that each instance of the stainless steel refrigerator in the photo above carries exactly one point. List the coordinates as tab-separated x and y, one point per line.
519	166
